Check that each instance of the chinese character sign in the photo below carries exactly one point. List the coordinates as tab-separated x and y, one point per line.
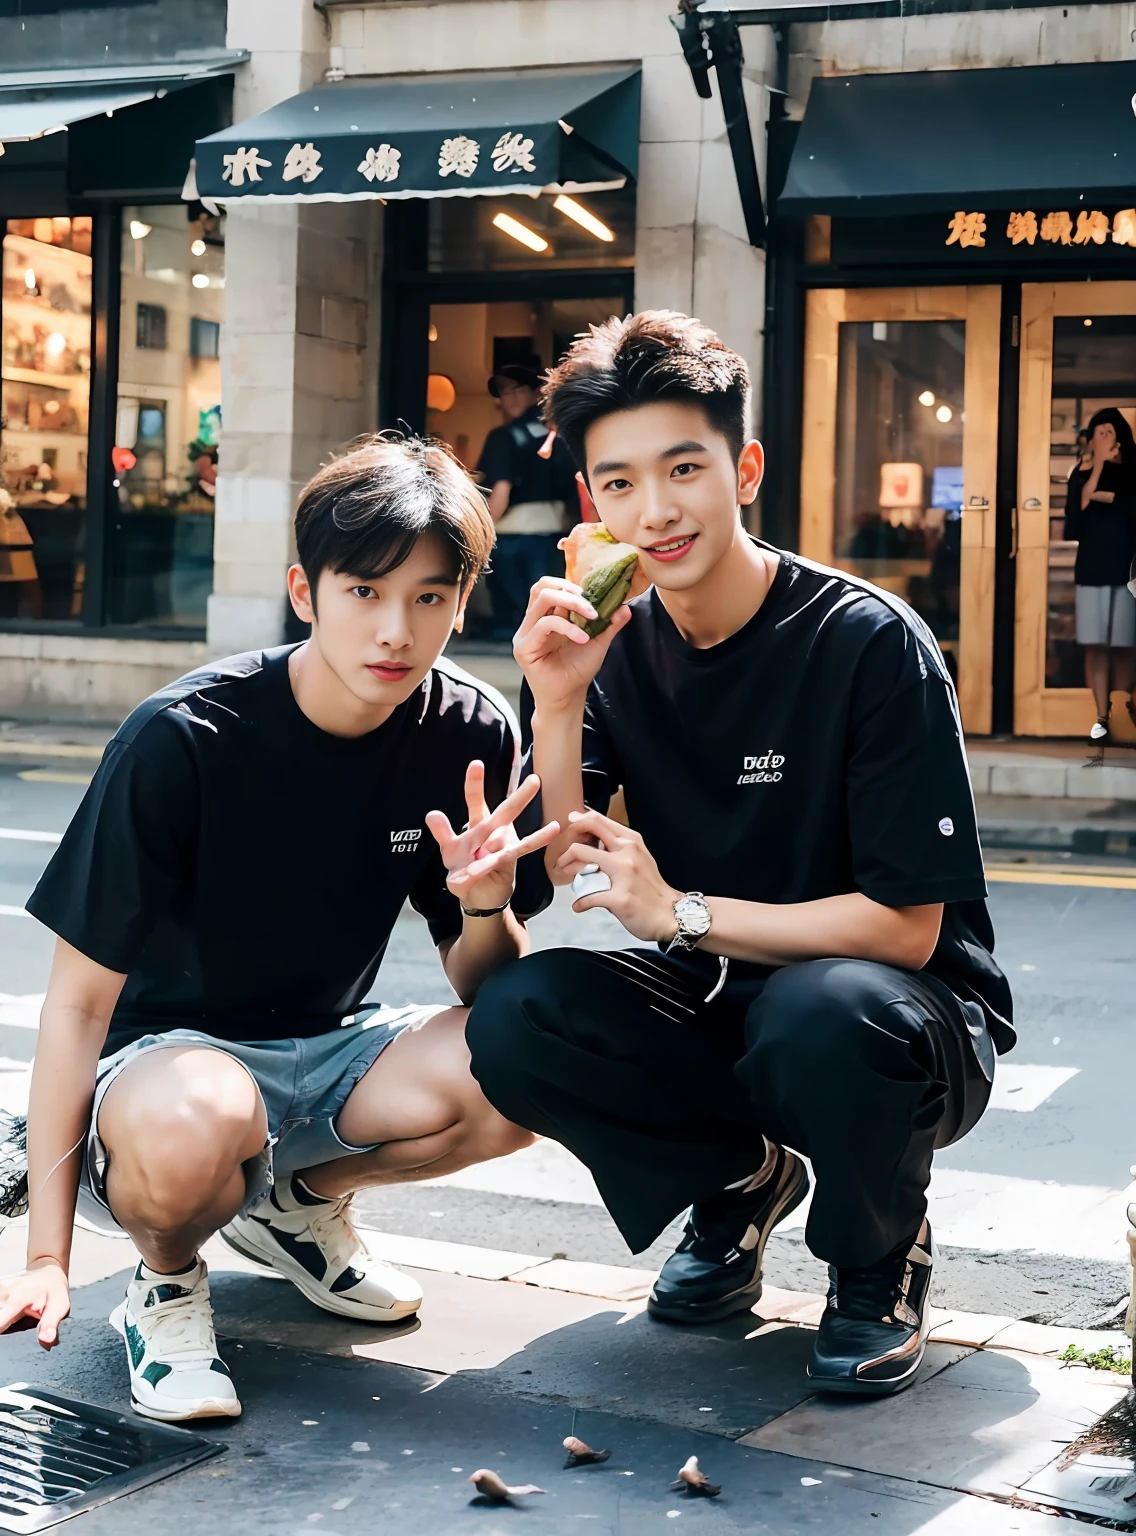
302	161
513	153
1057	227
381	164
458	156
241	163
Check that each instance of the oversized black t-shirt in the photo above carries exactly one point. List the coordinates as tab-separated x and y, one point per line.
815	752
245	868
1105	530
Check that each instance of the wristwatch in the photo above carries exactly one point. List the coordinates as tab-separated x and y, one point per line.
692	918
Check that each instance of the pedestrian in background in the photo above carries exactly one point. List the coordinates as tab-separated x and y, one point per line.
1100	514
531	499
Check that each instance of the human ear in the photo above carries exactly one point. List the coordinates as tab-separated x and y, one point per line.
300	593
751	470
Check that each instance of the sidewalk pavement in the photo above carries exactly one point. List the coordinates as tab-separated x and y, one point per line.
347	1425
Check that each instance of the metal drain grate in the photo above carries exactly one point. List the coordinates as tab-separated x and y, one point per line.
59	1456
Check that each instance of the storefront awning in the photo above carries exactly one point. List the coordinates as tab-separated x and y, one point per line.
876	144
32	108
464	135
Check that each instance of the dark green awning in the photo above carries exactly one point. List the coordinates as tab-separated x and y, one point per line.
464	135
965	138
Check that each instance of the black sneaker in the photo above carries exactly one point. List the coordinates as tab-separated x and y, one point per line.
873	1334
716	1269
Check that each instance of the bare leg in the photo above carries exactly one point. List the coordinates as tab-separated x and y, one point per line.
421	1102
178	1124
1096	676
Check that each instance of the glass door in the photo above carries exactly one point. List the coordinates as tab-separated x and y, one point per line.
1078	356
899	458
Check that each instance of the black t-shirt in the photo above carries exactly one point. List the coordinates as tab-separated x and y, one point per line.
814	752
1105	531
245	868
512	453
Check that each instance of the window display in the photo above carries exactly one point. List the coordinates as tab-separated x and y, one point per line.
45	386
168	423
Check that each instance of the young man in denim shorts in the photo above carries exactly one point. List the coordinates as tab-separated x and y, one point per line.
223	899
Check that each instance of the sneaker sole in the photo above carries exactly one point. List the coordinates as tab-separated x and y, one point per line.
284	1268
747	1296
204	1408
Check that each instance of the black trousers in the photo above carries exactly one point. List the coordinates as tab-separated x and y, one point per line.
864	1068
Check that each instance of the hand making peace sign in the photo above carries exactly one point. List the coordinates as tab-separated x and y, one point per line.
482	861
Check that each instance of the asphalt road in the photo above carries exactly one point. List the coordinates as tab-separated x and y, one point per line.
1029	1209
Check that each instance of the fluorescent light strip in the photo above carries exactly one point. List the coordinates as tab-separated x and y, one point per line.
574	210
519	232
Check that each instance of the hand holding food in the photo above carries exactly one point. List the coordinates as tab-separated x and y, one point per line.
607	572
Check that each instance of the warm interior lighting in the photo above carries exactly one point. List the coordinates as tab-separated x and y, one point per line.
586	220
198	247
926	398
519	232
432	333
43	230
29	280
199	280
55	344
440	392
944	413
1088	322
138	230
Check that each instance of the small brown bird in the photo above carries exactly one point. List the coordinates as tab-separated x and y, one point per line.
493	1487
581	1455
694	1480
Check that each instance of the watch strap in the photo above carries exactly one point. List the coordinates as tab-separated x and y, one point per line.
483	911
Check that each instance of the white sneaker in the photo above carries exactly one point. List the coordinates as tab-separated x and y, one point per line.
312	1243
175	1371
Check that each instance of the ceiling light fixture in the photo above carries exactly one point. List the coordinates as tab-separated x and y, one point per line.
519	232
585	219
199	280
198	247
944	413
1088	322
926	398
138	230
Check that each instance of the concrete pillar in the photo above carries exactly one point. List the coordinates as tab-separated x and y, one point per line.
298	351
692	252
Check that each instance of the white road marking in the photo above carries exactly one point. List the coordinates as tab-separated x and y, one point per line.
25	835
1021	1087
13	911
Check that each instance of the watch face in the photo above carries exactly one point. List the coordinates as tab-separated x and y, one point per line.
694	914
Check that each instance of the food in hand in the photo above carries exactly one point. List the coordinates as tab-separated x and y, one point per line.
607	572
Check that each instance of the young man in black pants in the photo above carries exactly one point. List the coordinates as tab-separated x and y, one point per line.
787	741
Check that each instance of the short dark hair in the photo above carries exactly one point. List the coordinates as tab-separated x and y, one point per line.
656	355
1124	439
364	511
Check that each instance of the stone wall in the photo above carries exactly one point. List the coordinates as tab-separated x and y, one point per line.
86	677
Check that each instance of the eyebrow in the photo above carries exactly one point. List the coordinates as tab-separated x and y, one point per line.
607	466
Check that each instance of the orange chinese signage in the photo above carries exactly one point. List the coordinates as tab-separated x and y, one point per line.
967	230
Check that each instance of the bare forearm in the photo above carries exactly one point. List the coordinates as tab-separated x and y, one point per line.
558	737
1106	496
59	1110
484	946
851	926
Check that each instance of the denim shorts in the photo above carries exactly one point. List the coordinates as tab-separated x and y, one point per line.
303	1084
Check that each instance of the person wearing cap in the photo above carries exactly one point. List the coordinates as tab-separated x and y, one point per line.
528	495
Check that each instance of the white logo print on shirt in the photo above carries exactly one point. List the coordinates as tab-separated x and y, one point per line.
406	842
946	826
765	769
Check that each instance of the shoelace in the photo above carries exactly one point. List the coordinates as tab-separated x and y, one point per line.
179	1329
337	1238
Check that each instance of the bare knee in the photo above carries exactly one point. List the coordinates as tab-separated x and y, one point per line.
177	1125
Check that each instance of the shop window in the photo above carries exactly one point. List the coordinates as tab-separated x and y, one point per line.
500	234
1094	366
168	424
45	377
899	456
204	338
150	332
